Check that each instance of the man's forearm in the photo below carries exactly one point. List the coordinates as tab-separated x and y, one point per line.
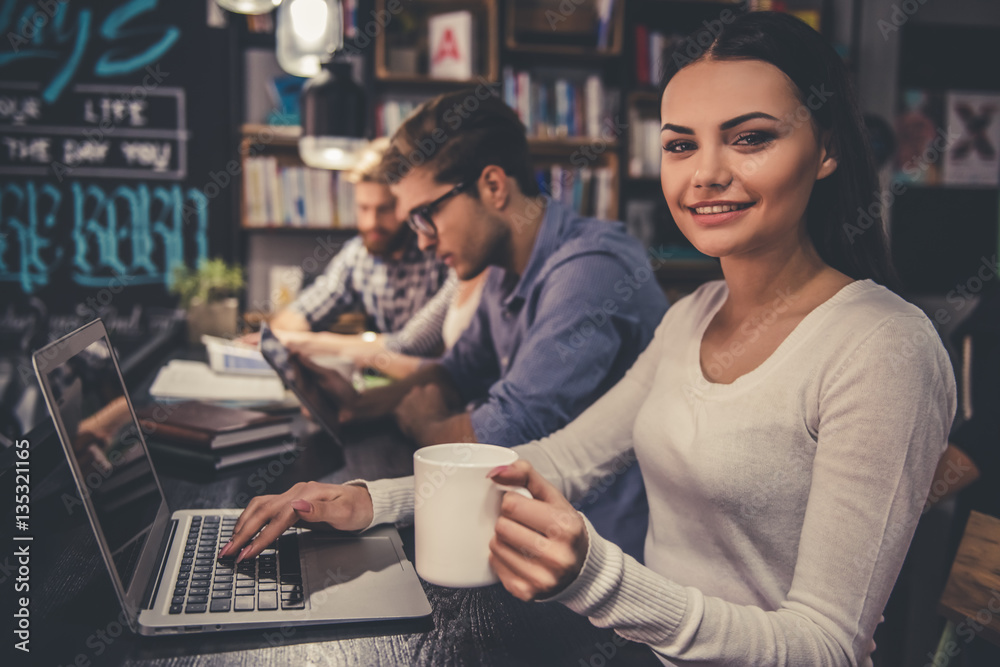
381	401
290	320
455	428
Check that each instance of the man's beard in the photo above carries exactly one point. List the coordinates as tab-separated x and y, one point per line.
385	248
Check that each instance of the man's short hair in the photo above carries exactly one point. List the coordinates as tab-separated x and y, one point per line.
456	136
367	169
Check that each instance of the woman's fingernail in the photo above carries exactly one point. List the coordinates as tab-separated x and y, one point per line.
225	548
243	553
496	471
302	505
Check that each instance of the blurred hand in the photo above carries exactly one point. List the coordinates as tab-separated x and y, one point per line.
540	543
342	507
252	338
324	342
326	379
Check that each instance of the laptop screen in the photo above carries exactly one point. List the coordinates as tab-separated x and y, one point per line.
89	395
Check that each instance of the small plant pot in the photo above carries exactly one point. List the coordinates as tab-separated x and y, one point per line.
218	318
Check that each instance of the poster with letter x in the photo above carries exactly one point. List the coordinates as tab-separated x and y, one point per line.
973	155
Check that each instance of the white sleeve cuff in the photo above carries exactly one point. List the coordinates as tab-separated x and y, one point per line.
614	590
392	500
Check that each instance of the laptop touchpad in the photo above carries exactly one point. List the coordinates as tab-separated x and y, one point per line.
359	570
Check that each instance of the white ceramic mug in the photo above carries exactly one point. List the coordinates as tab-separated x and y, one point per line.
456	507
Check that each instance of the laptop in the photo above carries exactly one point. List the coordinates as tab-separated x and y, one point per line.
163	565
322	406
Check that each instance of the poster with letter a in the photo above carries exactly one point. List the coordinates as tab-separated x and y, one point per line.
451	45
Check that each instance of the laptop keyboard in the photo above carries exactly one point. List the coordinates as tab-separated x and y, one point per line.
270	582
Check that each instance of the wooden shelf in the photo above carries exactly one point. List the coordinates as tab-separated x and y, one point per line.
566	145
689	2
420	80
271	135
547	27
275	228
485	30
644	95
556	50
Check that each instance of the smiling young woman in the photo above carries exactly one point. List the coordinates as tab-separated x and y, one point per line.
786	444
787	420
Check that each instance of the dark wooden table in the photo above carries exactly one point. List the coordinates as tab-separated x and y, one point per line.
971	596
75	615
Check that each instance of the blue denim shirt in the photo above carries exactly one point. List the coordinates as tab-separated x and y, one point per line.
545	345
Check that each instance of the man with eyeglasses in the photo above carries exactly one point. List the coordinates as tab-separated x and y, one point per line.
568	305
381	271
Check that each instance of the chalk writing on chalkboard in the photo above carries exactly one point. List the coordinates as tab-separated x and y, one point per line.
98	131
97	152
133	232
47	30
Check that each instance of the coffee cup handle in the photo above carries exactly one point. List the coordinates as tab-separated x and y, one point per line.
520	490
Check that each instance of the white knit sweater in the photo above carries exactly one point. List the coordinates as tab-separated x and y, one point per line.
781	505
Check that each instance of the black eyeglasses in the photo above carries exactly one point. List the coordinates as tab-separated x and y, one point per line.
420	218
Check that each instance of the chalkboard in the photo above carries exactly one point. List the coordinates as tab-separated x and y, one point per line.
116	129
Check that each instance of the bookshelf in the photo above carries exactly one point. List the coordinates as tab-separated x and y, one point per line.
279	193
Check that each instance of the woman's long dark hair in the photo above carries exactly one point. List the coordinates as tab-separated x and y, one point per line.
844	213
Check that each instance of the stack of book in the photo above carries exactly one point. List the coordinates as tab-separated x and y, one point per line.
213	436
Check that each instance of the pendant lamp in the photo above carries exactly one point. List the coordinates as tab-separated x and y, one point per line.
248	6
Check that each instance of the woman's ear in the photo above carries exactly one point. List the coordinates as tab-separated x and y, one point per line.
828	157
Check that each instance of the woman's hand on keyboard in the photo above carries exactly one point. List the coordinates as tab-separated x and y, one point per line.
344	507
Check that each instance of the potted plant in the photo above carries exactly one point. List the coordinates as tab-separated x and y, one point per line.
208	294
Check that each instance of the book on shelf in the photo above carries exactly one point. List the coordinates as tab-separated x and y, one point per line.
642	75
604	10
390	114
644	146
523	95
558	106
450	45
653	48
290	196
510	87
205	427
272	189
350	19
219	460
344	201
586	190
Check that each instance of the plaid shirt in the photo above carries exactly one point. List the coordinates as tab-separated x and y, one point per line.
389	291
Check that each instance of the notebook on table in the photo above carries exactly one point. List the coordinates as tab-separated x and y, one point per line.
205	426
163	564
220	459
